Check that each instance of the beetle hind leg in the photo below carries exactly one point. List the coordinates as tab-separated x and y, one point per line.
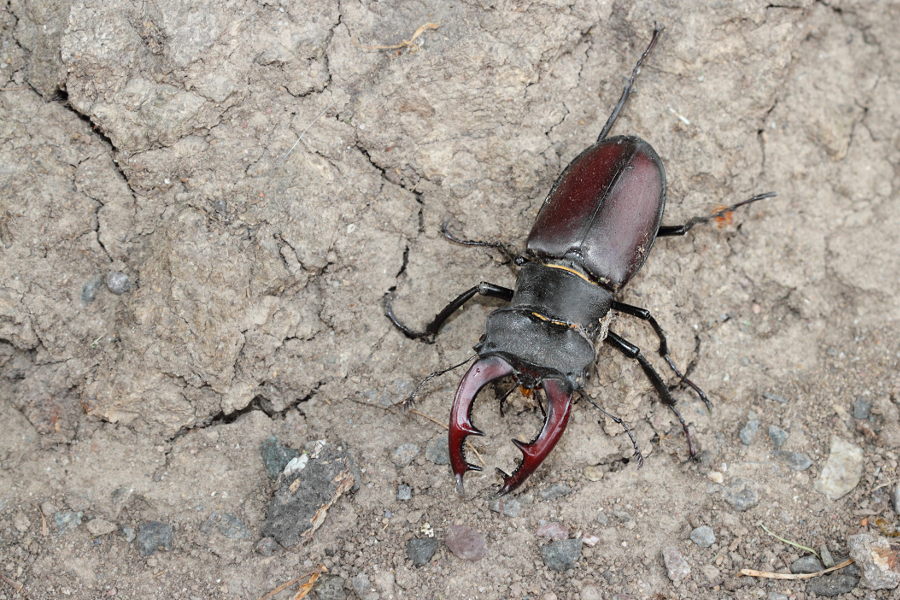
638	456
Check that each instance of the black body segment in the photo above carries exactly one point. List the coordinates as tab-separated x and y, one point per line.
603	211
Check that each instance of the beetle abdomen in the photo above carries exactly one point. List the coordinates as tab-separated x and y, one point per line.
604	210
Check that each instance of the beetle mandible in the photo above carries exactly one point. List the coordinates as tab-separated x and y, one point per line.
592	234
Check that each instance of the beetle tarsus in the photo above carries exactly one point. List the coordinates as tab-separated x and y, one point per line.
672	230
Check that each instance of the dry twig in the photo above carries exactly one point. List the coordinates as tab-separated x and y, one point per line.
770	575
404	43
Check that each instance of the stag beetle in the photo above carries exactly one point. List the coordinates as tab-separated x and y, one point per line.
592	234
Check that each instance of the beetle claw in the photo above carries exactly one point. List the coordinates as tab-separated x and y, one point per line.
479	375
559	407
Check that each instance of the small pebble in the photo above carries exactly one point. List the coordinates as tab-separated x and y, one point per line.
878	561
590	592
831	585
741	496
861	408
228	525
331	588
712	574
827	558
590	540
557	490
806	564
748	431
128	533
118	282
778	436
266	546
842	470
465	542
677	568
363	587
421	550
703	536
153	536
67	519
776	596
98	527
89	290
553	531
404	454
796	461
897	498
561	555
404	492
602	518
715	477
775	397
593	473
510	507
437	451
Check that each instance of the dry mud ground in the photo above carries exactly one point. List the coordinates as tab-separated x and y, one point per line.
203	203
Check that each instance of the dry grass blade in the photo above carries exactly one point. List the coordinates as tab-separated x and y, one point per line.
405	43
789	542
15	585
771	575
305	588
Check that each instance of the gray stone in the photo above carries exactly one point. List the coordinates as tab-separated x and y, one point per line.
437	451
465	542
703	536
128	533
590	592
89	289
404	492
878	561
557	490
842	470
363	587
562	555
796	461
778	436
153	536
98	527
741	495
266	546
775	397
226	524
677	568
776	596
65	520
303	498
118	282
827	559
831	585
861	408
806	564
421	550
510	507
748	431
897	498
404	454
276	456
330	587
553	530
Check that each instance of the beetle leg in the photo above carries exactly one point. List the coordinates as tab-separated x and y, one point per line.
632	351
644	315
619	421
479	375
670	230
559	406
431	330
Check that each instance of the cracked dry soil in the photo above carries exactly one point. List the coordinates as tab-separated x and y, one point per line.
250	177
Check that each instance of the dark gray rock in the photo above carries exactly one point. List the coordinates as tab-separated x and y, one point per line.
466	542
806	564
154	536
303	498
749	430
437	451
118	282
64	520
741	495
226	524
778	436
276	456
421	550
775	398
796	461
861	408
878	561
831	585
677	567
557	490
404	454
703	536
562	555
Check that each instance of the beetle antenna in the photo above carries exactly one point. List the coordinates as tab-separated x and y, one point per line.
509	253
411	398
629	84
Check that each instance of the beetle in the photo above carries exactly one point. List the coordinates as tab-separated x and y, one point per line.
592	234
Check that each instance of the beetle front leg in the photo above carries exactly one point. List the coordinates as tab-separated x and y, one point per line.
670	230
431	330
644	315
633	352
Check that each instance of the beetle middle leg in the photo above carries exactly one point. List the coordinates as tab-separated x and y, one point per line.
633	352
431	330
644	315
